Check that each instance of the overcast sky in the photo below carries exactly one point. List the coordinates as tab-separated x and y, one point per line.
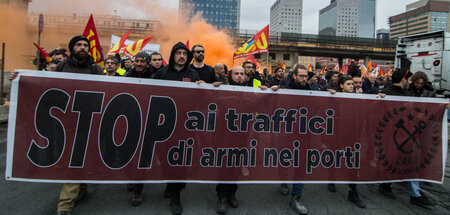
255	14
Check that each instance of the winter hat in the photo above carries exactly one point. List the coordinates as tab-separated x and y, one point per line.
142	55
75	39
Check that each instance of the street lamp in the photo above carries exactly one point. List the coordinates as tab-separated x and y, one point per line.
114	20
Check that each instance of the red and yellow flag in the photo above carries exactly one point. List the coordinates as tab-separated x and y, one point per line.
259	43
336	68
364	71
119	44
46	56
309	68
390	71
187	45
90	32
283	66
134	48
369	66
250	59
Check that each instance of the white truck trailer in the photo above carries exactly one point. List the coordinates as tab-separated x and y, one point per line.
429	53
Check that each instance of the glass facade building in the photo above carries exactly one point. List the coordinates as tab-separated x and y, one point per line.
219	13
350	18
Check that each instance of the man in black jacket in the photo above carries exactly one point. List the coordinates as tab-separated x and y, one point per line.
141	68
400	84
156	62
205	72
299	81
178	67
178	70
278	77
79	61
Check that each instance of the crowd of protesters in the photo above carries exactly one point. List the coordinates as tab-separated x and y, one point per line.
180	68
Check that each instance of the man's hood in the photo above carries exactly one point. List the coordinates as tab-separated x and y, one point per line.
172	54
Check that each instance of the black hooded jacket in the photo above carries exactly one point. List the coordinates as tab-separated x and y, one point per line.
186	74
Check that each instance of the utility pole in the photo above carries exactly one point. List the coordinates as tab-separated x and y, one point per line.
40	28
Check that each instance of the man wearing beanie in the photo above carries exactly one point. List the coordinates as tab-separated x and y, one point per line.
141	68
79	61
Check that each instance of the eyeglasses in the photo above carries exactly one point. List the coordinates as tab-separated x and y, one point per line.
200	51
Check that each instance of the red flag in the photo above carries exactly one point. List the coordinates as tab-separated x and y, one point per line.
187	45
134	48
164	61
309	68
259	43
283	66
119	44
251	59
46	56
90	32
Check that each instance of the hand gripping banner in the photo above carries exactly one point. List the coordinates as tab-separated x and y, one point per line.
85	128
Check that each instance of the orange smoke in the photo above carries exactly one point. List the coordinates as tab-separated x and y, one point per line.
19	48
217	44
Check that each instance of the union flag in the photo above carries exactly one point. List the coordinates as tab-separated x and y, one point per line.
90	32
119	44
259	43
134	48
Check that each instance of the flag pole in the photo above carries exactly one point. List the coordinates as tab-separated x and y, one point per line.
268	66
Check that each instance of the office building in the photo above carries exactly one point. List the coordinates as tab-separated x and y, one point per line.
433	16
286	16
349	18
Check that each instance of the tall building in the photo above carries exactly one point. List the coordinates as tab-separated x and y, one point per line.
350	18
286	16
221	14
433	16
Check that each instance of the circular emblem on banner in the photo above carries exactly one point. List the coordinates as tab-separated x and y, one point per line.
413	134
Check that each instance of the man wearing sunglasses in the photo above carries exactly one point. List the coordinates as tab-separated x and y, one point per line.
205	72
